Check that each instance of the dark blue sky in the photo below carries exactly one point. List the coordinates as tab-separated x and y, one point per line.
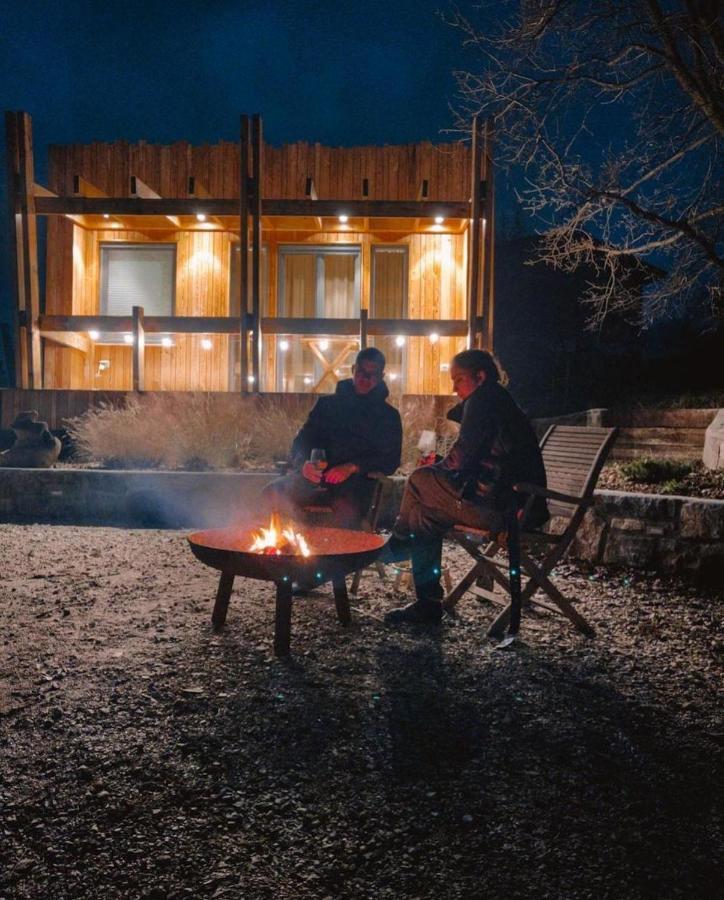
335	72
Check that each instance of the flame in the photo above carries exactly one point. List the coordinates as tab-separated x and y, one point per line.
277	539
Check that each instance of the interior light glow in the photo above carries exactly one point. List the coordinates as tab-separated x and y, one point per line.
200	217
128	338
400	341
206	344
284	346
166	342
94	335
324	345
344	219
115	224
439	220
434	337
106	216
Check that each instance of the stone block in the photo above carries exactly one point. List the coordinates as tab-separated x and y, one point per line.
619	524
702	519
588	541
713	454
628	549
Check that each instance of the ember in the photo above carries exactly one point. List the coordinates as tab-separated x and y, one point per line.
277	540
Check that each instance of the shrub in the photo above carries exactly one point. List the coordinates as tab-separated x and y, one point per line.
656	471
197	431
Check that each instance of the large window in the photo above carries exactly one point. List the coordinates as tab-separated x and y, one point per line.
137	275
317	282
389	301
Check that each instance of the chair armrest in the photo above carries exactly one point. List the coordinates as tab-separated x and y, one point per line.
523	487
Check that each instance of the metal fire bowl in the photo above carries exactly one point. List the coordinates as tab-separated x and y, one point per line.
335	552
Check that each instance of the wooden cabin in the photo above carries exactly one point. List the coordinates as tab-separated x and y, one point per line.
249	268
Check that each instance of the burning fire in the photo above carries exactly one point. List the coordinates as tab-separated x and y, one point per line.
277	539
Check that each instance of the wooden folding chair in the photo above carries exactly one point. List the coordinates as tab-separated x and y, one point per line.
573	457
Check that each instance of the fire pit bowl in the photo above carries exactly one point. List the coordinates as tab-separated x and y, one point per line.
335	552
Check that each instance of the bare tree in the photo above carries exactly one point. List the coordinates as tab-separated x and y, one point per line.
614	111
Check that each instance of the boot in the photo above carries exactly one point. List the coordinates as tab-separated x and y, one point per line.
421	612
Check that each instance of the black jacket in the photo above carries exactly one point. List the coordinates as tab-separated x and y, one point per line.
495	448
351	427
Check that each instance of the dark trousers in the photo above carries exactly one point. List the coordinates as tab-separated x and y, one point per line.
348	500
431	505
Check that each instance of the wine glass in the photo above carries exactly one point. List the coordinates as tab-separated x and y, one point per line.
318	458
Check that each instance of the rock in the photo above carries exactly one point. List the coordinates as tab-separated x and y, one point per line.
713	455
34	448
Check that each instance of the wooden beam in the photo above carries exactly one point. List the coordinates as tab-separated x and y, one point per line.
270	325
363	322
474	237
141	190
488	209
138	349
196	189
40	191
24	242
83	188
73	339
256	214
135	206
241	325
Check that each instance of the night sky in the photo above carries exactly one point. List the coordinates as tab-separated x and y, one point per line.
339	73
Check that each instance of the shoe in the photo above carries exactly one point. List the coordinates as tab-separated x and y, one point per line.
418	613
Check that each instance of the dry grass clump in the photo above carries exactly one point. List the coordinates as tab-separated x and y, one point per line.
189	432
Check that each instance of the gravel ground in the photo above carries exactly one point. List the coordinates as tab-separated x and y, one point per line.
143	756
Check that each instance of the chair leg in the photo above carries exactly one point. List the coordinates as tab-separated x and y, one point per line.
354	587
514	573
449	603
563	603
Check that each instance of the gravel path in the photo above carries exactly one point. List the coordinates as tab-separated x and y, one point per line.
143	756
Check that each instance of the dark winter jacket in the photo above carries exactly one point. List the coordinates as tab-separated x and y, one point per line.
496	447
357	428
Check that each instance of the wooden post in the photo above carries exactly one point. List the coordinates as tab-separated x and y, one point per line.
244	255
256	245
363	317
138	349
474	236
486	337
24	244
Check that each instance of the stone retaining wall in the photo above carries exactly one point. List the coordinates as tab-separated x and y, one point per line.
677	535
682	535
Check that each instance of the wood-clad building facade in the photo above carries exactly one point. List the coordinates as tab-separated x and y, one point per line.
147	287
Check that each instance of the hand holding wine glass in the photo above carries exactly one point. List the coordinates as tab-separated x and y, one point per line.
314	468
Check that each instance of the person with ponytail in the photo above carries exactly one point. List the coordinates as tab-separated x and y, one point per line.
473	485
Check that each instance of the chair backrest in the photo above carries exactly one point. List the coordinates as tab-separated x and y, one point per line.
573	457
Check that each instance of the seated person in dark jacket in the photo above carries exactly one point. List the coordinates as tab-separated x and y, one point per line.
360	433
472	485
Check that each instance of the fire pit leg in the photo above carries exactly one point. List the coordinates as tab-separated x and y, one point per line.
341	600
283	619
218	616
